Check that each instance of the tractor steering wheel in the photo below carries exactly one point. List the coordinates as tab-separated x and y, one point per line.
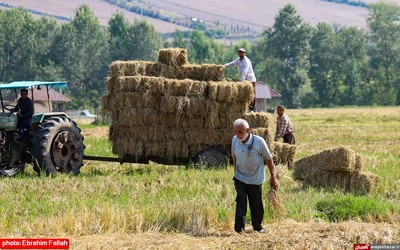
10	108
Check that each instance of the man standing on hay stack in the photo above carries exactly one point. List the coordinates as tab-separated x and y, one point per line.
284	127
248	153
245	73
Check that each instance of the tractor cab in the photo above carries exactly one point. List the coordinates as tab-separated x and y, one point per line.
53	142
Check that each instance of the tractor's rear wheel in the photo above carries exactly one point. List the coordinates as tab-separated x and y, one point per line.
210	158
57	146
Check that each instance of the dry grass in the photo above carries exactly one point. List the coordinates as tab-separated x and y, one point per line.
107	225
283	235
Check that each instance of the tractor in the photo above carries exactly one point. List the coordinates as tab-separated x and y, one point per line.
53	142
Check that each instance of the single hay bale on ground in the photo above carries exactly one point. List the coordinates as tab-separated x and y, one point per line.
318	173
363	182
335	159
173	56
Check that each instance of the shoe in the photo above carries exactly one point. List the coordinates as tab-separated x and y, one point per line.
260	231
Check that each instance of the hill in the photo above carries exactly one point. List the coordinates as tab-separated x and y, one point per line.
253	16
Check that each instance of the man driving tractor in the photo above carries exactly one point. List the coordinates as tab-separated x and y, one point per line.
24	108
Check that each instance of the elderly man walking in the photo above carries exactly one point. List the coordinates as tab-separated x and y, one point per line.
249	152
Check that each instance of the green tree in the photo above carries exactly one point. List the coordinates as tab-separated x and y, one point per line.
178	39
198	48
17	45
80	49
352	48
144	41
118	29
287	49
384	25
324	63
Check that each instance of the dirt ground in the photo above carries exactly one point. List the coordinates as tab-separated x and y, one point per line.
283	235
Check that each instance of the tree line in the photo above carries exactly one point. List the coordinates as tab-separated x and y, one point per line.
318	66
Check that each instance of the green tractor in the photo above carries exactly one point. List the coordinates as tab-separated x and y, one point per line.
53	142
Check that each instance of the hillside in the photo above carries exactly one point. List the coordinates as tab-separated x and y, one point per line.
254	16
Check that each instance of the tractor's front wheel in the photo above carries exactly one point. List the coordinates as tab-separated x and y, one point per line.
57	146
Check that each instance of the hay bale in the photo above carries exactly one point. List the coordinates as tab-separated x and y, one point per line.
175	87
172	72
212	114
128	68
173	56
260	119
154	69
198	89
193	71
245	91
196	107
204	72
176	149
318	171
226	92
154	85
335	159
154	149
212	72
363	182
106	103
283	153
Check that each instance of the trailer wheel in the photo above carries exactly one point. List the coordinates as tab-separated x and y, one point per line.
57	146
210	157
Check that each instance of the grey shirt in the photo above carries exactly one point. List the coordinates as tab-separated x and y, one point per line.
250	159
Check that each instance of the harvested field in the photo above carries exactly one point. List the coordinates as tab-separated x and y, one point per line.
283	235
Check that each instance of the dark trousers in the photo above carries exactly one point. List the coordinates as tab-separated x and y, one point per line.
23	125
254	194
290	138
252	105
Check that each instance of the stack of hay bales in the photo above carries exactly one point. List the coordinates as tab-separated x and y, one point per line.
171	109
284	154
339	167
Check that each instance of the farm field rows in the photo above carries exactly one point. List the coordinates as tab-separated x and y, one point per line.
132	206
256	15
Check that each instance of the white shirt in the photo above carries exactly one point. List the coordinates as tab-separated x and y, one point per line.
245	69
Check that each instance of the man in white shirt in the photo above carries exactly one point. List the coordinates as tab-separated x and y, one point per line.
245	72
